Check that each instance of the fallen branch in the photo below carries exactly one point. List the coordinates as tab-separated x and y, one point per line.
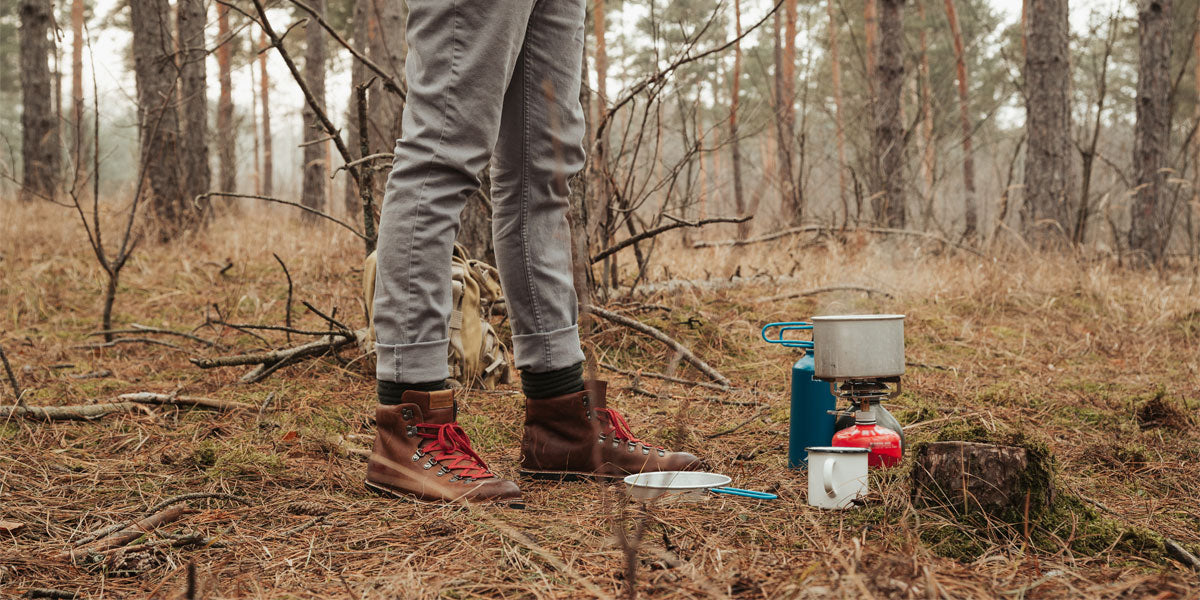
269	362
128	534
825	289
603	254
664	377
129	403
51	593
818	228
686	354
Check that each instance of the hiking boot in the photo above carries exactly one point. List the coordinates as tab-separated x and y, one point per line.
422	453
577	435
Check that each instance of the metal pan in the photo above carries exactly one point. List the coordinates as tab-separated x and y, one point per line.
858	346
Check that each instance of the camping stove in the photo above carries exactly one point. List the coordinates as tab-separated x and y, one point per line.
866	394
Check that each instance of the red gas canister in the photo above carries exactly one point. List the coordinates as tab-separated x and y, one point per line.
883	443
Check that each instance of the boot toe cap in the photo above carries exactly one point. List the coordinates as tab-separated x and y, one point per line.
682	461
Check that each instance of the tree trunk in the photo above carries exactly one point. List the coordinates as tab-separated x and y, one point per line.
871	40
358	75
78	154
792	200
735	145
315	169
840	125
254	131
158	121
39	127
929	154
1193	240
1150	223
889	128
191	16
388	48
970	210
1048	168
226	137
268	164
599	159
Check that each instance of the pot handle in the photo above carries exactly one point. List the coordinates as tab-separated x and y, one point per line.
783	327
828	477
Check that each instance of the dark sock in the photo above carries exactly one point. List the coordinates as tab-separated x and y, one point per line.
550	384
391	392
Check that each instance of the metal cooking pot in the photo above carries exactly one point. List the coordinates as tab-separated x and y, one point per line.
858	346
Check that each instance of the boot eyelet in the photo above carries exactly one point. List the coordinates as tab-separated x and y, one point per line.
455	478
417	455
616	443
632	447
645	450
429	464
407	414
602	438
442	471
662	453
410	431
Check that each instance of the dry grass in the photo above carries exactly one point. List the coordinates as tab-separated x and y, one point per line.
1098	362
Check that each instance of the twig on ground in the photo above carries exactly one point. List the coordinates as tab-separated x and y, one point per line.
671	378
657	334
814	228
824	289
248	326
758	415
128	534
128	403
132	340
345	329
12	379
92	374
136	328
607	252
301	527
195	496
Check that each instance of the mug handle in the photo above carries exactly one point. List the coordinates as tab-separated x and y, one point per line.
828	478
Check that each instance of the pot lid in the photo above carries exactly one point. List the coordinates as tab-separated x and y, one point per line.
857	317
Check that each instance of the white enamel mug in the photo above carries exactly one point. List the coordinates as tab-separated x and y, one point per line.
836	476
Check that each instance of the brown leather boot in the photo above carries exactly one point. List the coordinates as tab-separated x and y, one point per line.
577	435
421	452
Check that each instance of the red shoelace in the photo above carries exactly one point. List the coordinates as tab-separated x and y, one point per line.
620	429
448	441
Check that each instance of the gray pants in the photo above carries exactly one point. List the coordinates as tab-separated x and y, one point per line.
483	75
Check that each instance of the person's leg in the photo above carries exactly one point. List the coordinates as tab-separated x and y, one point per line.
568	430
460	59
540	147
461	56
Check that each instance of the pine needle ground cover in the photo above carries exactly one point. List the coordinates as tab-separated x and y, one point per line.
1095	364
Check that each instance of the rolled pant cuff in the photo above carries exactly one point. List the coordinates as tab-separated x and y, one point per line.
413	363
541	352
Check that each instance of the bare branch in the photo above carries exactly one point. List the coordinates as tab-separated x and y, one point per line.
655	333
280	201
603	254
12	379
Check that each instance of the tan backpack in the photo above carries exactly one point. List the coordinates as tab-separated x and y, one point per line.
477	357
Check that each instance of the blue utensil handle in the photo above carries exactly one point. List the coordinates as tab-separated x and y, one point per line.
785	326
732	491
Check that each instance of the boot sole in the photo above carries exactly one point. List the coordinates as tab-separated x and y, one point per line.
388	492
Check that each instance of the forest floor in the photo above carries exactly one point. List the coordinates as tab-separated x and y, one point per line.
1097	362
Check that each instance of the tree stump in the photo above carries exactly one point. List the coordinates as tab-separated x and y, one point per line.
971	476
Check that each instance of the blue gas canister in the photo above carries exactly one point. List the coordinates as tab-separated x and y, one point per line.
811	422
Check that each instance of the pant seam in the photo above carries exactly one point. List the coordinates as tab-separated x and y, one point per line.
524	195
412	242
